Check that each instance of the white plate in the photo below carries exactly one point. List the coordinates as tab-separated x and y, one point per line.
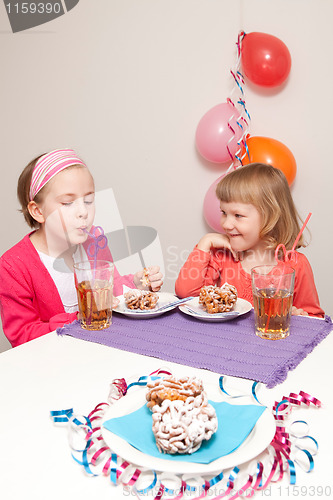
242	306
164	299
259	438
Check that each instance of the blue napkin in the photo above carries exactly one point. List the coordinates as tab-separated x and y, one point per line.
235	422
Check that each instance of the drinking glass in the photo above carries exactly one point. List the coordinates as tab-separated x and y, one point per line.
94	286
273	288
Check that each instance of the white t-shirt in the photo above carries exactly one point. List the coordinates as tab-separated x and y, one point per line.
63	277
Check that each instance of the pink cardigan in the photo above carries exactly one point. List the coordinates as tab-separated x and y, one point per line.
29	300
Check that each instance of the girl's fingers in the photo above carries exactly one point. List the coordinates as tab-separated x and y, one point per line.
298	312
155	277
153	270
115	302
156	286
235	255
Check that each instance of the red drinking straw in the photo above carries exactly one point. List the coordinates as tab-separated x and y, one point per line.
291	255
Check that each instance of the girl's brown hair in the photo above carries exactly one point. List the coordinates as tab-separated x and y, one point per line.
23	190
267	189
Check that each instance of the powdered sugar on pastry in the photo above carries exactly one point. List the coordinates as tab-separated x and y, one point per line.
140	299
172	388
180	425
218	299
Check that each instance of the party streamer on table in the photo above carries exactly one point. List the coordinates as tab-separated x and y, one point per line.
278	460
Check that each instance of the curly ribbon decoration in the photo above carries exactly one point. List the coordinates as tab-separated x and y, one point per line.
119	386
254	387
244	121
98	459
118	389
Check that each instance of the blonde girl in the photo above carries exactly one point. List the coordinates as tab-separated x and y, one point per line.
257	214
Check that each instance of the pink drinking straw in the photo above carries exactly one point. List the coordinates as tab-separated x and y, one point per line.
301	231
288	256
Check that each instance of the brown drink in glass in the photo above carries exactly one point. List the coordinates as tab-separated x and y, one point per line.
272	288
94	287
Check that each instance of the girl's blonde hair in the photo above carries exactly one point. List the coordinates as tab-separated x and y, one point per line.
267	189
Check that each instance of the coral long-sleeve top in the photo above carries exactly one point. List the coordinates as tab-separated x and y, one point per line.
218	266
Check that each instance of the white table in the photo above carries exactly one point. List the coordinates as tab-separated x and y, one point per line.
52	373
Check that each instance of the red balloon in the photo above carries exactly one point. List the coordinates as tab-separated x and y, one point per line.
266	59
271	152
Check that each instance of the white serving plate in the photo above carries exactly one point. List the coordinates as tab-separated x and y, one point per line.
258	439
196	310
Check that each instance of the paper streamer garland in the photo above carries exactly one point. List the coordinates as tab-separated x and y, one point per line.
211	205
237	99
279	460
218	133
221	133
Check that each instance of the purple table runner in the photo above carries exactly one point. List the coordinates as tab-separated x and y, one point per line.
227	348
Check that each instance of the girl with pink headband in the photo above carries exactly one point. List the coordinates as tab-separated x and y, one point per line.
37	292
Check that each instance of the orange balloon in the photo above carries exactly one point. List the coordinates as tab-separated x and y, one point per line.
271	152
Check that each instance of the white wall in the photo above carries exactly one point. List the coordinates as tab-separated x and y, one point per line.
125	84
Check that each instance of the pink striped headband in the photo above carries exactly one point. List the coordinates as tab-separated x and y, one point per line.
50	165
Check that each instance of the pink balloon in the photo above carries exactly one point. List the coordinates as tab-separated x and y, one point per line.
211	207
213	133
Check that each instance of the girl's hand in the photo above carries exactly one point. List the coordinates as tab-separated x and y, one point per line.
217	240
298	312
155	279
115	302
